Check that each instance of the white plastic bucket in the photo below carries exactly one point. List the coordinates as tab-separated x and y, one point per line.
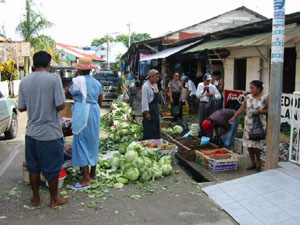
60	182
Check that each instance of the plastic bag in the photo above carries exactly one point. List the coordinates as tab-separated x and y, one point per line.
257	133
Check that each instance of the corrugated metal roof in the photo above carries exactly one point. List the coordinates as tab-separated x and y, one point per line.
292	35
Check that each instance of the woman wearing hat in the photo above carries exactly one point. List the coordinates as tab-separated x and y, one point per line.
150	108
86	91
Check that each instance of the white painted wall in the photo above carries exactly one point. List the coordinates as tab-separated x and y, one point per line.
228	73
4	89
257	66
252	71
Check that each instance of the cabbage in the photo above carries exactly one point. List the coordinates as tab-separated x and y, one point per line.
147	162
130	156
131	173
118	185
115	162
157	172
177	129
122	180
145	152
137	162
166	169
122	148
153	154
125	165
134	146
165	160
146	175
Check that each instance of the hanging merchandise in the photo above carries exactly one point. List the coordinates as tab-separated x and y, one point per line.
144	66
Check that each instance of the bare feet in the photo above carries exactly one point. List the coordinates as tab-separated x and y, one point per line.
35	201
94	177
57	202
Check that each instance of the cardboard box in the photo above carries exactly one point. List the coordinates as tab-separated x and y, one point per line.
66	112
217	162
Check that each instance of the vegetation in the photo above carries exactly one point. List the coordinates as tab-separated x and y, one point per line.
121	38
8	70
30	29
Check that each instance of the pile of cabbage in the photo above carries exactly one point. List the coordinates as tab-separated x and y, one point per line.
175	130
119	111
117	123
134	163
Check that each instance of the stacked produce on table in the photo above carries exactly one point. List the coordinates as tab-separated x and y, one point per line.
122	158
173	130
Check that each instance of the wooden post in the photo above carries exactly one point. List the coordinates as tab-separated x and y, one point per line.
277	56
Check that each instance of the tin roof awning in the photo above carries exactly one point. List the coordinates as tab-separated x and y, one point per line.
167	52
292	36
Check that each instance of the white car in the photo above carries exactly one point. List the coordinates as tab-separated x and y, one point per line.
8	117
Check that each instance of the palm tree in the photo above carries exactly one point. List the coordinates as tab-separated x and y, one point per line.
30	29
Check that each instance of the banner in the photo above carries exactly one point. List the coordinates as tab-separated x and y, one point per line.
144	66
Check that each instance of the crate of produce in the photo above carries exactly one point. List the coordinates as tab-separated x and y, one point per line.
223	163
217	159
161	146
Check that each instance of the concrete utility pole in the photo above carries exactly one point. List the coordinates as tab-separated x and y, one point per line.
107	51
129	36
277	57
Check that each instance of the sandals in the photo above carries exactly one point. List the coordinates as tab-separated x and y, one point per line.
78	186
251	167
258	168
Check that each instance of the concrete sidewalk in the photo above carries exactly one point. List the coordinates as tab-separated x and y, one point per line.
267	198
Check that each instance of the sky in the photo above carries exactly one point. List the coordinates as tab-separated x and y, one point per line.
78	22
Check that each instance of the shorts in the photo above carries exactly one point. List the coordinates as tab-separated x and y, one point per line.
44	156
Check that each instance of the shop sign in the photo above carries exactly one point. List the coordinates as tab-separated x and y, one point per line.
286	107
234	95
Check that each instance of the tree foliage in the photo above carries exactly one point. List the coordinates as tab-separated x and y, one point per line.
30	29
122	38
32	24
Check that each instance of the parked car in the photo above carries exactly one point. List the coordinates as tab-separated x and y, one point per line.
109	80
8	117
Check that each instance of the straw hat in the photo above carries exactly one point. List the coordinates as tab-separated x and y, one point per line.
152	73
85	63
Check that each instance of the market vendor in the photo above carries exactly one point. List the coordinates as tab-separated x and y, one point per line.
175	93
223	130
150	108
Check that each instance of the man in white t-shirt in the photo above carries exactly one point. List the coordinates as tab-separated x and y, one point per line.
206	92
191	96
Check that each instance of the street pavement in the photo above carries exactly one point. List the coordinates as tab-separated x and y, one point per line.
176	200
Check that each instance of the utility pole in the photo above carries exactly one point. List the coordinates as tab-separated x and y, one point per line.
129	36
277	57
107	51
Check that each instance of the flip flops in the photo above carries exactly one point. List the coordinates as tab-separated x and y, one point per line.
78	186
